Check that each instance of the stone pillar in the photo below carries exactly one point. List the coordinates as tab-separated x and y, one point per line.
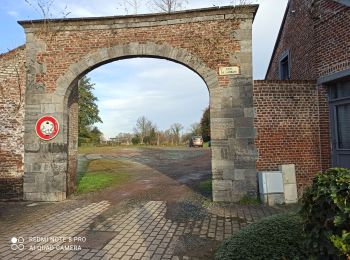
73	127
232	125
45	162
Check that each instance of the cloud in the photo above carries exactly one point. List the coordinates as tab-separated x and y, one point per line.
14	14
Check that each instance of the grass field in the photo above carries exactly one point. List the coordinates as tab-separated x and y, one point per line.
98	149
102	174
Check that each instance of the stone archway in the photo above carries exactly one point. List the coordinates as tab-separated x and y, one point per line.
206	41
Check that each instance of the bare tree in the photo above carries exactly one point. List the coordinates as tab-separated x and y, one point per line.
133	5
143	127
44	9
242	2
195	129
175	130
167	6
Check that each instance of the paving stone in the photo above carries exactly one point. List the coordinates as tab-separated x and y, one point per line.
135	238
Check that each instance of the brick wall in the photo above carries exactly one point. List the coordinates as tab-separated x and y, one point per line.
325	131
210	40
287	123
297	37
12	88
333	38
318	39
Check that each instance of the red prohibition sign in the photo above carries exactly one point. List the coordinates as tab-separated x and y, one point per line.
47	127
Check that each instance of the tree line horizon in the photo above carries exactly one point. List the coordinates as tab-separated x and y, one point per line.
144	132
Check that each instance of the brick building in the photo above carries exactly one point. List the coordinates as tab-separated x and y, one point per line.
314	44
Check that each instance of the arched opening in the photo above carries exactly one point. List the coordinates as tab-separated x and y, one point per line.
162	108
99	58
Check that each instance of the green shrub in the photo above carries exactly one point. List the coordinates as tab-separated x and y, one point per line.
326	214
275	237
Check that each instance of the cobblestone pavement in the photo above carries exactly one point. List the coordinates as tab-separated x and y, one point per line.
146	232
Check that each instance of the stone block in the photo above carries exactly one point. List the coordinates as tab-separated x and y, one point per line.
248	112
239	174
245	162
222	195
222	185
43	196
245	24
222	123
27	167
243	34
242	147
243	174
245	132
288	173
246	69
228	174
29	187
221	164
249	184
28	178
247	122
32	108
218	134
57	99
59	167
58	182
40	99
36	167
246	46
237	112
217	174
32	147
240	57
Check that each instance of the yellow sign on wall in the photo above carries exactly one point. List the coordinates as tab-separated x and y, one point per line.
234	70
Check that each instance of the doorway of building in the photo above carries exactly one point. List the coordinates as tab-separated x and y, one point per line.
340	122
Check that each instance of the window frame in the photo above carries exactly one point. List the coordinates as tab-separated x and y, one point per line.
285	57
334	103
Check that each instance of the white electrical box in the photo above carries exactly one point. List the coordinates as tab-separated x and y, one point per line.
271	187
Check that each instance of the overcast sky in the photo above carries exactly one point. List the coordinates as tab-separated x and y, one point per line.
163	91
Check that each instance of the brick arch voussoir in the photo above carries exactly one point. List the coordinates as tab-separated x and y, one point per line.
165	51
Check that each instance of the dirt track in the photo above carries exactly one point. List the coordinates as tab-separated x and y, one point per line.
162	174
